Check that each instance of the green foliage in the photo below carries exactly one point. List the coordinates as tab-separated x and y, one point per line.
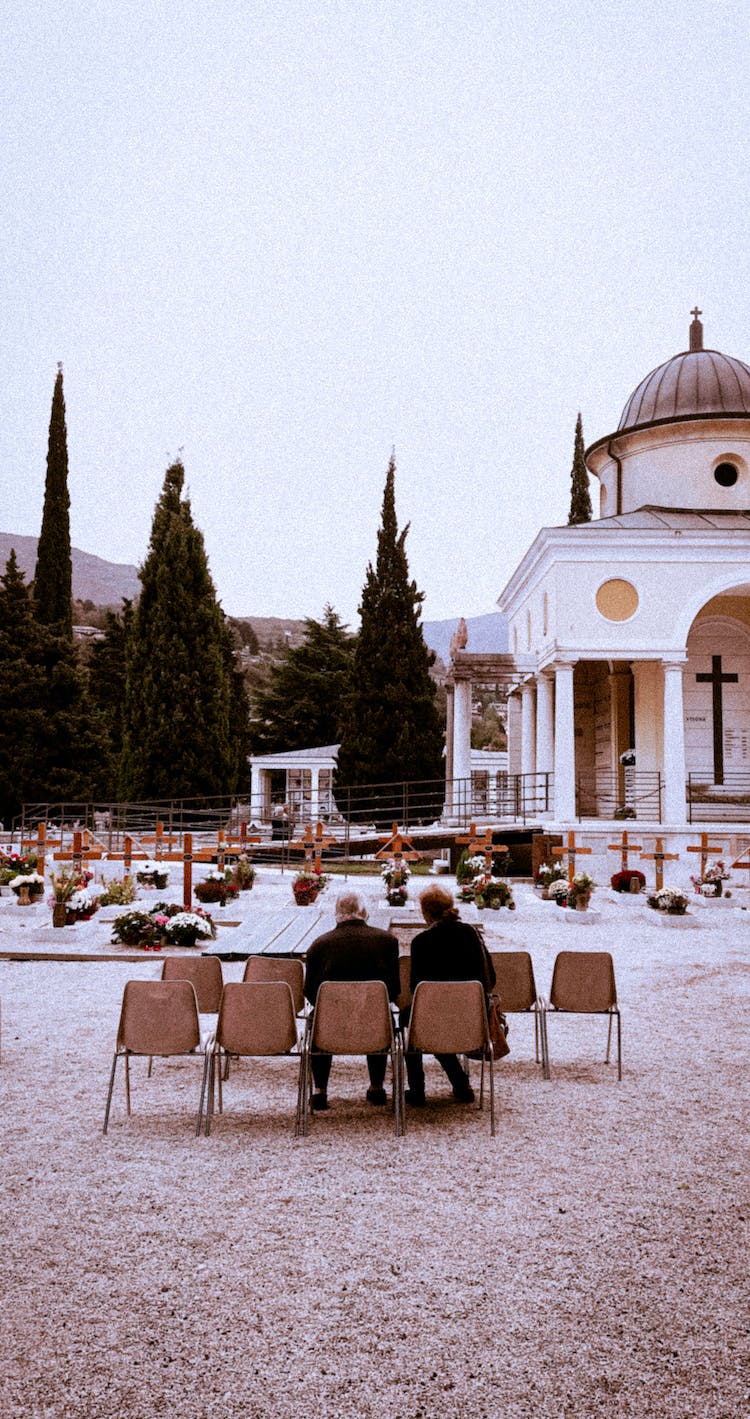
107	692
51	735
488	732
392	730
304	702
54	567
185	712
580	497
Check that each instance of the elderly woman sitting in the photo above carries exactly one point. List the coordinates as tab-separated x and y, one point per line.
449	949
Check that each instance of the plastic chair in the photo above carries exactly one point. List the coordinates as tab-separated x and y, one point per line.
583	983
256	1019
404	971
450	1017
515	989
286	968
204	972
352	1017
157	1018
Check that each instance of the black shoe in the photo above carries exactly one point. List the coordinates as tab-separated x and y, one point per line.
464	1095
416	1098
376	1096
319	1103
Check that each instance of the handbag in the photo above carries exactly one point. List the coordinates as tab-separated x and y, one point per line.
498	1028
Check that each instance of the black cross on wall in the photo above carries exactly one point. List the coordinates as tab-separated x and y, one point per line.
716	680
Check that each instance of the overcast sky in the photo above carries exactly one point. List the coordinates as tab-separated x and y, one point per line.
285	237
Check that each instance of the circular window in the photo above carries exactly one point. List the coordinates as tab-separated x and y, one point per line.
726	475
617	600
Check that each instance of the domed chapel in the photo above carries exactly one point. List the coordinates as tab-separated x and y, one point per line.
629	664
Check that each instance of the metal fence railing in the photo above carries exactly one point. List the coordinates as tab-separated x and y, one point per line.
606	795
726	802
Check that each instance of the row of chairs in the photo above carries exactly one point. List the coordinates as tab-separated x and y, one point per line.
261	1016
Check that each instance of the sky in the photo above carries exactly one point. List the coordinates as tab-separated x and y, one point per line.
281	240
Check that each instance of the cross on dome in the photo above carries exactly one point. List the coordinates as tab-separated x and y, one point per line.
696	331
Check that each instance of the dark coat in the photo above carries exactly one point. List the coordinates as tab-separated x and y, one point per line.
353	951
450	950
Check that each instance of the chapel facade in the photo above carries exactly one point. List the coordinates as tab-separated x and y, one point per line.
629	664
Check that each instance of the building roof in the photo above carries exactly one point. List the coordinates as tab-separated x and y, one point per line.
670	519
696	383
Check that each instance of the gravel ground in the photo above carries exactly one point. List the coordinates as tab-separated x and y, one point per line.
589	1260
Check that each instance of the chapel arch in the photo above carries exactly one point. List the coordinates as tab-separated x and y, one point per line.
716	690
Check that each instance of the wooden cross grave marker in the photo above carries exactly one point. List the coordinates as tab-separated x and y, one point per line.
571	850
704	848
624	847
716	680
314	845
162	844
743	859
482	845
659	857
82	851
398	847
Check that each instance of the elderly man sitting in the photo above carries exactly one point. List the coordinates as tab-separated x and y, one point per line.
352	951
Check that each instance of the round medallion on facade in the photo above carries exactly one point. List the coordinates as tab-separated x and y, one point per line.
617	600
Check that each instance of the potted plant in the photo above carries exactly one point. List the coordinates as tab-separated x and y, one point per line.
547	875
152	875
188	928
244	873
396	875
306	886
492	892
669	900
218	887
711	884
26	886
579	891
138	928
118	892
558	891
630	880
468	867
64	886
81	906
15	864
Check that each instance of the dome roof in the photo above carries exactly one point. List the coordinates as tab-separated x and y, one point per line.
691	385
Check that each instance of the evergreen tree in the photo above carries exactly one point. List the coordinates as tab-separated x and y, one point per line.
107	679
22	693
183	705
392	730
580	497
54	568
304	704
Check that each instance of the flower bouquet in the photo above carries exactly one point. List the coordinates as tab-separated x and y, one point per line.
118	892
579	891
15	864
71	899
152	874
711	884
547	875
558	891
217	886
630	880
244	873
306	886
27	886
670	900
81	906
396	876
188	928
492	892
469	867
167	924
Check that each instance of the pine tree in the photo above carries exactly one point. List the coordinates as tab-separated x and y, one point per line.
54	568
304	703
183	706
580	497
107	678
22	693
392	730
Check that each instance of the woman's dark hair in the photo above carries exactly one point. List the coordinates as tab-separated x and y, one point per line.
437	905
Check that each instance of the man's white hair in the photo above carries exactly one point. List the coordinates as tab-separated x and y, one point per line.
351	906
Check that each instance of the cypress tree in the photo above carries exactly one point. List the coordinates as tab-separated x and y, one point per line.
580	497
107	691
305	701
54	567
392	729
182	712
22	693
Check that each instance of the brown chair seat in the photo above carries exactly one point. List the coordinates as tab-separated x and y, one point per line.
352	1017
157	1018
450	1017
515	989
583	983
256	1020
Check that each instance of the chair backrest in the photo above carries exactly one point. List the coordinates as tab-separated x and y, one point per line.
514	980
448	1017
583	981
352	1017
204	974
257	1017
289	969
404	971
159	1017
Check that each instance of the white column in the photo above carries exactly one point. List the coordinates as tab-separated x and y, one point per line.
528	728
462	747
674	745
565	761
513	728
449	751
314	794
545	733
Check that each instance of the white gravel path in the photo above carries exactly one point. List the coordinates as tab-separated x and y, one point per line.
590	1260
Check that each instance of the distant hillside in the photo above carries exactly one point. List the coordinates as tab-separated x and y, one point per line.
486	633
104	583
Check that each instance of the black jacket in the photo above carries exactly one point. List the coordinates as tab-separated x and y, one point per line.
450	950
353	951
